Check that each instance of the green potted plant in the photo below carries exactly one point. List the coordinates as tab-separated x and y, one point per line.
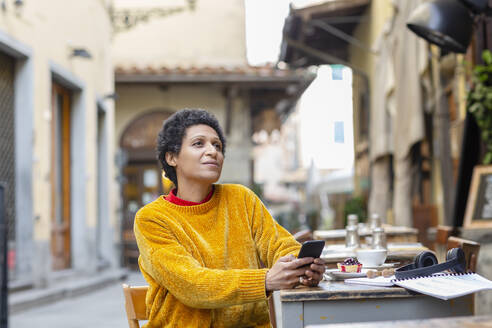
355	205
479	102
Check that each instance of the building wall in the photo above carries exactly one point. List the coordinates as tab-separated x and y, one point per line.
134	100
50	29
212	34
324	104
368	32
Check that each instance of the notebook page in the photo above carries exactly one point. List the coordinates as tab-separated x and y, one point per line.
378	281
446	286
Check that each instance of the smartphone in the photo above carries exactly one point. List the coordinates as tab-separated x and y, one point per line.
311	248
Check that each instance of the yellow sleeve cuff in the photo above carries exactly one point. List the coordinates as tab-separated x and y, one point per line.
252	285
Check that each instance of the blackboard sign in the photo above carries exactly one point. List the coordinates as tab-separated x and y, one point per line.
479	205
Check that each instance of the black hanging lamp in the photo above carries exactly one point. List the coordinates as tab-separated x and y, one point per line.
446	23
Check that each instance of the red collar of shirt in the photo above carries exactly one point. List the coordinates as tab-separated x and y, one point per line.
171	197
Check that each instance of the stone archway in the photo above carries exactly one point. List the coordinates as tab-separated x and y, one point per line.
139	137
141	173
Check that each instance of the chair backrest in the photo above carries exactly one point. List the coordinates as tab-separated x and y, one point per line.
135	304
470	248
136	309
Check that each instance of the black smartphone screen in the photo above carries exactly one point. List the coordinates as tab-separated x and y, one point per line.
311	248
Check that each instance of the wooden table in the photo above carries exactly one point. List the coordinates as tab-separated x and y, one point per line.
337	302
397	252
394	234
484	321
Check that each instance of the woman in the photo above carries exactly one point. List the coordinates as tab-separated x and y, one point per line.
201	246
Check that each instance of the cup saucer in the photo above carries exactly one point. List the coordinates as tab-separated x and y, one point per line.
382	266
336	274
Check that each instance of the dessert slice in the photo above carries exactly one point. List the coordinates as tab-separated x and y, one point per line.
349	265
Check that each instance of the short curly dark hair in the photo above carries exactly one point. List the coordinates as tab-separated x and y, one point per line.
173	130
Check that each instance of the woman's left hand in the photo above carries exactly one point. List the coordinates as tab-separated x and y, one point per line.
314	274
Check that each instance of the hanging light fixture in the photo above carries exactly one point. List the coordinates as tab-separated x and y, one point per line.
447	23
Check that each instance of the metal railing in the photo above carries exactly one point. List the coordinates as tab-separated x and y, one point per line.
3	261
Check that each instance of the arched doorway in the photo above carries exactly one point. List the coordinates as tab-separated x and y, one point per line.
141	174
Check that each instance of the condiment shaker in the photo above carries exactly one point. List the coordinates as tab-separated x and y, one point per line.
378	238
352	220
375	221
351	237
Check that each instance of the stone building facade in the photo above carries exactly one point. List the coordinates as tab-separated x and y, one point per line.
56	72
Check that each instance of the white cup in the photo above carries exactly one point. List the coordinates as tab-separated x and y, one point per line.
369	257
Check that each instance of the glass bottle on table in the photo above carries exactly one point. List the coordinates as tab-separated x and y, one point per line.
351	237
352	220
379	238
375	221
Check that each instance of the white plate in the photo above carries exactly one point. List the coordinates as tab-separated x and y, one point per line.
383	266
339	275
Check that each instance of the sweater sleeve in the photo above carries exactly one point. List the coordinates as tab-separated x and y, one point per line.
173	267
272	240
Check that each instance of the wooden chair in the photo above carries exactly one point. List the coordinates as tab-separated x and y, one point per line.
446	239
136	309
443	232
135	304
470	248
424	219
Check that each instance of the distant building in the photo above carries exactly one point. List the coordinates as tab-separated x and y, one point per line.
56	138
195	58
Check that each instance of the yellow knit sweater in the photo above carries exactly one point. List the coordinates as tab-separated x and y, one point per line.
202	262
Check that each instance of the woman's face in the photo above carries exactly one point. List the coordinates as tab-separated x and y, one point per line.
200	158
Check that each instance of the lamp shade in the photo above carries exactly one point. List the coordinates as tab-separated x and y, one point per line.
446	23
476	6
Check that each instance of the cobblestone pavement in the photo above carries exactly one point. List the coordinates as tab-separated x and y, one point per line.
101	308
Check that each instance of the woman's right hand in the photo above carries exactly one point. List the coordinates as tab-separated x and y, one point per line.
285	273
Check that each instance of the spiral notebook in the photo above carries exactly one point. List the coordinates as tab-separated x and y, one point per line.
442	285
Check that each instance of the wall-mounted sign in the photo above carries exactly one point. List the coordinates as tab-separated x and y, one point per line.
479	205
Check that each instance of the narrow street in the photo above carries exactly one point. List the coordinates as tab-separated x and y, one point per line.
361	126
102	308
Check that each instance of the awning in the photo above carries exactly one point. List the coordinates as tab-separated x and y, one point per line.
270	87
326	27
266	75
